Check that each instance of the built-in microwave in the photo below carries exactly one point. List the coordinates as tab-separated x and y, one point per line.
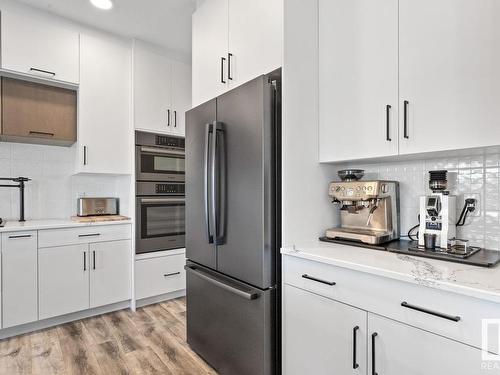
159	157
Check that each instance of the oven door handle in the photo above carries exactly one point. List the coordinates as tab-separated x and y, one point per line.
163	200
152	150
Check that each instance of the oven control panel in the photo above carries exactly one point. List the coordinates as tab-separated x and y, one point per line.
164	140
170	189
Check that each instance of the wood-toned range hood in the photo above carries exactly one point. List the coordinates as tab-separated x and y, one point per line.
36	113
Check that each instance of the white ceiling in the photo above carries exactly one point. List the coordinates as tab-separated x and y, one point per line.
166	23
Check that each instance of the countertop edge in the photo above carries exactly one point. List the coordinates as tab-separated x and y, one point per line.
430	283
55	224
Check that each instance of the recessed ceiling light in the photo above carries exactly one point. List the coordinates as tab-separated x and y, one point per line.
102	4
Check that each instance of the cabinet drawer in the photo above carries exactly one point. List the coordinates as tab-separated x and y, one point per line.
385	297
159	275
74	236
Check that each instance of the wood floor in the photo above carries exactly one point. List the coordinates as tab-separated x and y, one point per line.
149	341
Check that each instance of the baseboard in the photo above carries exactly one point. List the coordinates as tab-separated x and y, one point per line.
51	322
160	298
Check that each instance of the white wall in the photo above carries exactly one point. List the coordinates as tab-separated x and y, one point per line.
307	210
53	191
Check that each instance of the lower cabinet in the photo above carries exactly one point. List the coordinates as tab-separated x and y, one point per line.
322	336
78	277
397	348
19	278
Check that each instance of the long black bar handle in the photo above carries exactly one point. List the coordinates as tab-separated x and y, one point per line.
207	169
405	118
171	274
53	74
229	55
175	119
431	312
306	276
355	364
221	186
93	259
84	155
168	117
374	370
85	261
388	123
222	61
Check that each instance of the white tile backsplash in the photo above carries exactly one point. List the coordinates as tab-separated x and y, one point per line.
53	191
475	176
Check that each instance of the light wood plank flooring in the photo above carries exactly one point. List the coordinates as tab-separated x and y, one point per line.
149	341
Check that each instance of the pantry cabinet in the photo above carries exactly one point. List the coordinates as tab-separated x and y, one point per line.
447	77
39	47
322	336
19	278
396	348
234	41
162	91
358	87
449	59
104	112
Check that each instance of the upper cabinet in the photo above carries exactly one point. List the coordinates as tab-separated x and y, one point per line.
358	86
447	77
38	47
104	112
162	91
234	41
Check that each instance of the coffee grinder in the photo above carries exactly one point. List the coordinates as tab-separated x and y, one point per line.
437	213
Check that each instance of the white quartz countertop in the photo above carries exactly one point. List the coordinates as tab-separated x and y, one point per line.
473	281
16	226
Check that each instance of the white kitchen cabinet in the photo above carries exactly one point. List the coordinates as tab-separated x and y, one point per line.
104	128
255	39
110	279
234	41
322	336
181	95
358	86
152	90
63	280
40	47
449	59
19	278
402	349
209	50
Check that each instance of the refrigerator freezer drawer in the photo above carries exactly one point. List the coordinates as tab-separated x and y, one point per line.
230	324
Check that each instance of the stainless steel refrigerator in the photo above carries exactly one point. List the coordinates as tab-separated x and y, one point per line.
233	185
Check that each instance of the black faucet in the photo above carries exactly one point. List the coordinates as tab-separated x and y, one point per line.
21	181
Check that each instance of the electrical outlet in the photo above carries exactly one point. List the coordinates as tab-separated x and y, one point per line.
477	211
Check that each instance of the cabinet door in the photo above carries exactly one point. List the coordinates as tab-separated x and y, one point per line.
110	279
63	277
255	39
19	278
181	95
449	59
152	90
358	79
39	46
42	113
209	58
104	128
402	349
319	334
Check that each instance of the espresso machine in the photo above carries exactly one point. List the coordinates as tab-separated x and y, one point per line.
437	213
369	210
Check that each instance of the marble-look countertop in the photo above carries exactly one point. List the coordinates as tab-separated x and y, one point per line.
473	281
16	226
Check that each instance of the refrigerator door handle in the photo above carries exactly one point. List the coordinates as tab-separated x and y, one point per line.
247	294
213	183
221	183
206	162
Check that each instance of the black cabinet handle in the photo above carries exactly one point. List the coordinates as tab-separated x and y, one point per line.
43	71
171	274
405	118
306	276
89	235
374	335
20	236
388	123
229	55
354	339
93	259
168	117
175	119
84	155
222	60
85	261
427	311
